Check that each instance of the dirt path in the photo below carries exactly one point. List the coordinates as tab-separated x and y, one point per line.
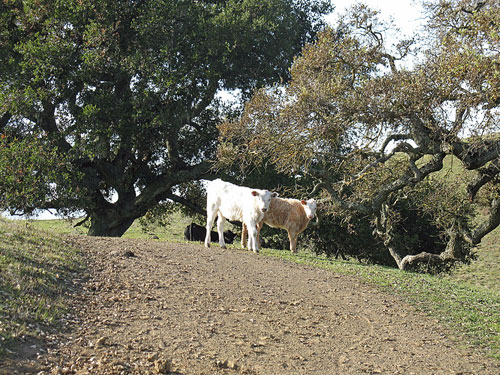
189	310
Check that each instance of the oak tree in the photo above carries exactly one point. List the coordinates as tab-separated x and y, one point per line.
107	106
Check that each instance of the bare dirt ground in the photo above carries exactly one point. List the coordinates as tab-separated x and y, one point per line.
183	309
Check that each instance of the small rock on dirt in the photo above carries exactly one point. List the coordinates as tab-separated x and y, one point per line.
226	363
100	342
152	357
163	366
129	254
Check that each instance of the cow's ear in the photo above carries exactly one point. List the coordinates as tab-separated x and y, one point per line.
274	194
303	202
254	193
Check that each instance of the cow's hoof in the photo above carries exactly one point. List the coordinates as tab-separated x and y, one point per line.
223	247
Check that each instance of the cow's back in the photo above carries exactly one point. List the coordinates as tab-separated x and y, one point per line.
285	213
230	199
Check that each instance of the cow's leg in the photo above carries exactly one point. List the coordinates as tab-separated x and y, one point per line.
293	241
244	235
220	228
252	238
259	227
211	212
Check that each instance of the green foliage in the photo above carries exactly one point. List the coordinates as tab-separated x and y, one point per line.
31	174
127	90
415	223
371	132
354	239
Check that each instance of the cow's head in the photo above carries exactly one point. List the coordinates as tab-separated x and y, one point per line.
309	207
263	198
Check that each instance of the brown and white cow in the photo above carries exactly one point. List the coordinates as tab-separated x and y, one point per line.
293	215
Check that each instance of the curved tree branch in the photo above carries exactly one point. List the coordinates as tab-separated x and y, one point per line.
486	175
185	202
491	222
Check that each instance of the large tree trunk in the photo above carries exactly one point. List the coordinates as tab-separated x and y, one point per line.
106	227
113	219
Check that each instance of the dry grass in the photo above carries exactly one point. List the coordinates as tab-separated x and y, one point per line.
37	273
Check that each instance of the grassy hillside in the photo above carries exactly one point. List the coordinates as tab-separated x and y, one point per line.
174	231
37	270
485	271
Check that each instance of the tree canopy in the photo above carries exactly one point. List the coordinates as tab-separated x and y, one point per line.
107	106
373	128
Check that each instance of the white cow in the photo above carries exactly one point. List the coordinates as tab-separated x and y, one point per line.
239	203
